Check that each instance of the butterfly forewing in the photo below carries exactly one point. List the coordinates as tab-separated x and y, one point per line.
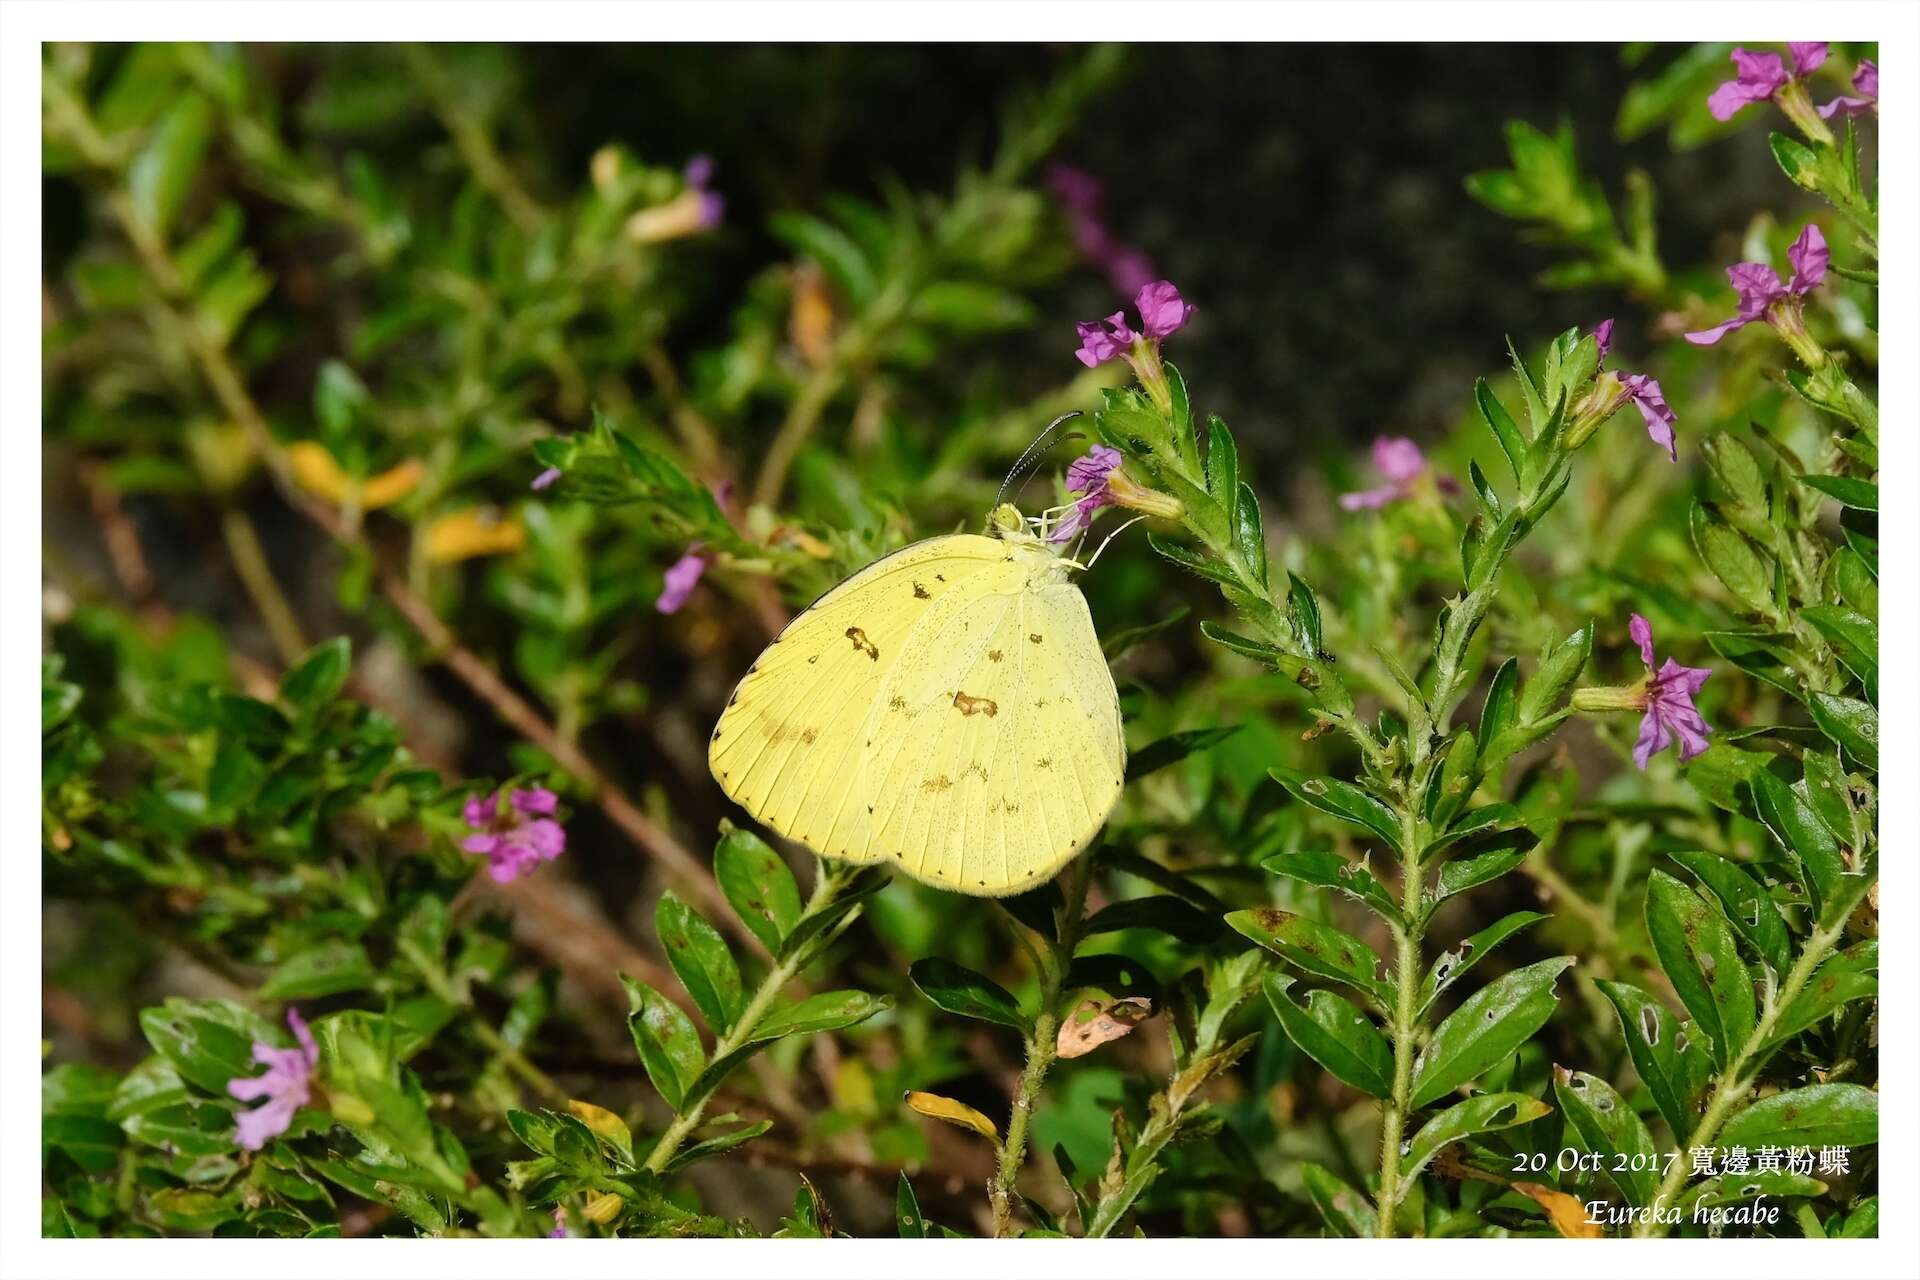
947	708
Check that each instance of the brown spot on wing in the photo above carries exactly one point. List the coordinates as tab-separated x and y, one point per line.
863	644
994	655
968	705
939	782
1044	762
808	735
897	703
920	592
1034	636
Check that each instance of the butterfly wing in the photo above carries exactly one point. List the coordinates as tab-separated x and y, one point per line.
996	751
788	747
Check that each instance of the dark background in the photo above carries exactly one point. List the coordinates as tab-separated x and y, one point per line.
1308	198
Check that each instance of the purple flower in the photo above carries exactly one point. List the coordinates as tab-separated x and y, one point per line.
545	478
559	1231
1759	76
699	177
1089	476
1081	198
516	836
1102	340
1758	287
1643	391
1162	313
681	578
1401	464
1666	701
286	1084
1866	83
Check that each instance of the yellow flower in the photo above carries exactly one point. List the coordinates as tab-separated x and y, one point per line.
315	470
473	532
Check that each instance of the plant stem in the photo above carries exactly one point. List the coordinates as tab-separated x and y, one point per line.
1738	1079
825	887
256	575
1406	944
1042	1047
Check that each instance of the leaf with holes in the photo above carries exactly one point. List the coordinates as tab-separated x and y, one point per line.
1749	907
1315	948
1492	1023
1697	951
1342	800
1449	965
1483	1113
1819	1115
1669	1063
1610	1128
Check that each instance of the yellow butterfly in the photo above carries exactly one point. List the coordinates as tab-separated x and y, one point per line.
947	708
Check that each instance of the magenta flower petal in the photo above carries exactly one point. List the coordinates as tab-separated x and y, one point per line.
535	800
681	578
545	837
1090	470
1807	55
1370	499
1603	337
1758	76
1162	312
544	479
1398	458
286	1084
479	810
1668	712
1808	256
1641	632
1707	337
481	842
1077	190
1654	411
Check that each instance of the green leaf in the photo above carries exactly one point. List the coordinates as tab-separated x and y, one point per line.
1765	655
1334	1034
1128	639
1193	561
824	1011
838	253
1855	639
1258	650
1799	831
1847	491
1742	569
94	1143
1798	161
701	961
324	970
1835	983
1345	1211
1163	913
1319	949
1223	465
1489	1025
717	1146
1329	870
1697	951
758	886
669	1044
1819	1115
316	679
1855	725
1737	470
191	1129
1248	539
209	1042
958	989
1611	1128
1654	1042
1731	1188
1749	907
1174	748
1501	423
1303	613
1482	1113
1449	965
1557	671
906	1211
163	169
1461	874
1342	800
1499	711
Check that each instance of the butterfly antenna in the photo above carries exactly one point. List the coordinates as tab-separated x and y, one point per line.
1031	457
1105	542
